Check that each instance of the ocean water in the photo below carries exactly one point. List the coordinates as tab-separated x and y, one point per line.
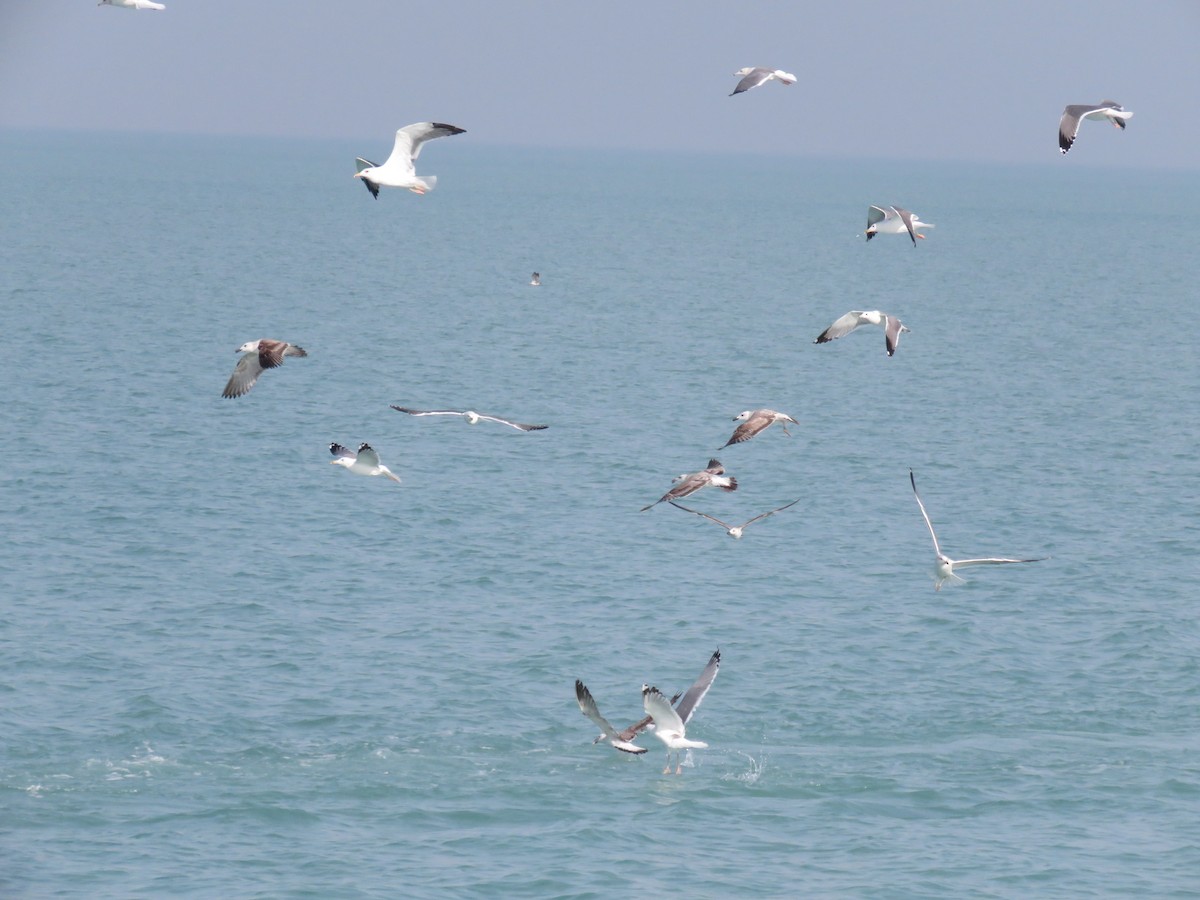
231	669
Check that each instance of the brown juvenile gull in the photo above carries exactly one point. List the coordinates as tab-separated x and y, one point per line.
472	417
894	220
945	566
399	170
1073	115
364	462
892	327
755	420
669	724
753	76
261	354
734	531
690	482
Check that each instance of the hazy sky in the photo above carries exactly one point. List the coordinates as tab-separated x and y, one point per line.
892	79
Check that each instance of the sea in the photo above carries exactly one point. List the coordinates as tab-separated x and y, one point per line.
230	669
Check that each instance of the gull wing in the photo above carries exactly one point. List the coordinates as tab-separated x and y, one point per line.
841	327
657	708
749	429
936	548
767	515
245	374
359	165
994	561
757	76
429	412
587	705
411	138
696	512
892	327
516	425
367	455
906	217
691	699
342	452
1068	125
875	214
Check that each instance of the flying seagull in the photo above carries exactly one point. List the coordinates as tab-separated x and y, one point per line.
945	566
472	417
753	76
734	531
365	462
1068	125
669	725
132	4
261	354
689	483
894	220
756	420
399	170
892	327
536	280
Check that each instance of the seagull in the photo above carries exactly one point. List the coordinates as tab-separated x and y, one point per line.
689	483
1068	125
365	462
944	567
734	531
472	417
753	76
669	723
132	4
755	420
894	220
892	327
261	354
399	171
536	280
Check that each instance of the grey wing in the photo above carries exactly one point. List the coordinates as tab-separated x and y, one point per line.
994	561
635	729
245	374
756	77
516	425
587	705
842	326
696	512
875	214
342	452
768	515
688	485
367	454
428	412
1068	125
411	138
656	706
936	547
892	327
359	165
906	218
691	699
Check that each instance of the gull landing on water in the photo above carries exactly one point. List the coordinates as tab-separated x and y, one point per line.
734	531
1105	110
260	355
364	462
669	723
132	4
753	76
756	420
472	417
944	567
536	280
399	171
894	220
689	483
892	327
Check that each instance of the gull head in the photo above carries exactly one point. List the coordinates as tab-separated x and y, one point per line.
742	73
248	347
472	417
735	532
742	416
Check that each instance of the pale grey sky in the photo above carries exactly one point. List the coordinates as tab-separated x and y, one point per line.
900	79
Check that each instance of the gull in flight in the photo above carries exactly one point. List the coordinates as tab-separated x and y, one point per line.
472	417
669	723
894	220
1105	110
892	327
753	76
364	462
399	170
690	482
755	420
945	566
132	4
536	280
260	355
734	531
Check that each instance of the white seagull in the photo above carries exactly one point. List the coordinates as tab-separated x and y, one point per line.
690	482
894	220
892	327
472	417
670	723
260	355
399	171
365	462
132	4
945	566
1105	110
734	531
755	420
536	280
753	76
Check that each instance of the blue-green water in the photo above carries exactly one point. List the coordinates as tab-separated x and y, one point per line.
231	669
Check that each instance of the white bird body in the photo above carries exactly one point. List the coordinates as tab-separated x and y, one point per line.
944	566
399	171
753	76
894	220
364	462
472	417
668	726
132	4
892	327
